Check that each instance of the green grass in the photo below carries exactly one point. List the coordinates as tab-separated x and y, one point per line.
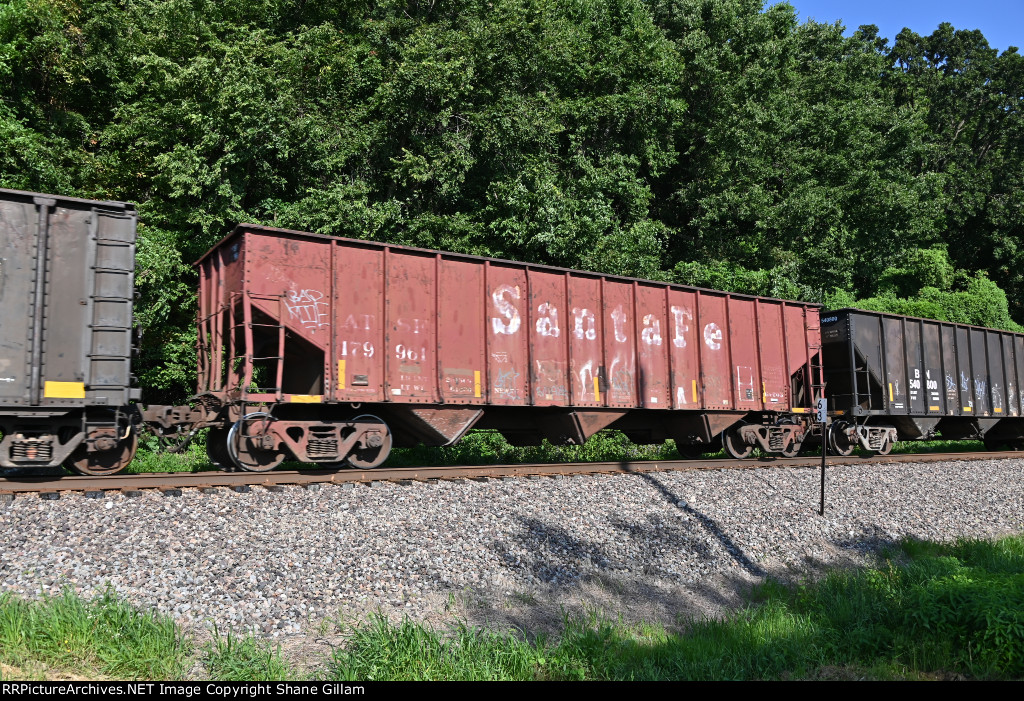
928	611
938	446
232	658
931	611
150	458
102	638
490	448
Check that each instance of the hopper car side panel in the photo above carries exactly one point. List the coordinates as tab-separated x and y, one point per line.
585	329
549	353
619	344
922	378
684	350
462	363
652	323
745	362
775	380
438	342
408	326
801	336
715	370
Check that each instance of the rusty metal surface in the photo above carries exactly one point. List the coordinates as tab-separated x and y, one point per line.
359	321
178	480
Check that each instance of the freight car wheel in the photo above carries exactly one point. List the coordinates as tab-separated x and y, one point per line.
838	443
732	441
246	444
104	462
369	456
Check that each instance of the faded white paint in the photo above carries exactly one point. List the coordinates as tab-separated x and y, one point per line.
679	316
547	322
651	333
713	336
508	323
619	324
681	395
580	316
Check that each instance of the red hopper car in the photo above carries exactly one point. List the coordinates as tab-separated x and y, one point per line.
330	350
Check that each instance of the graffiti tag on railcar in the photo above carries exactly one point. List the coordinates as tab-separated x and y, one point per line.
621	382
307	307
548	382
506	382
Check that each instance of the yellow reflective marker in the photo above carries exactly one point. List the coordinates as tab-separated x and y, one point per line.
476	383
933	408
890	392
764	394
341	374
998	410
695	391
967	408
307	398
597	391
64	390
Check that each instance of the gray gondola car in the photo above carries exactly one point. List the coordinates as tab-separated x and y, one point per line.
66	286
890	377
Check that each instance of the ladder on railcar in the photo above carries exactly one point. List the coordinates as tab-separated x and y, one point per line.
248	346
815	362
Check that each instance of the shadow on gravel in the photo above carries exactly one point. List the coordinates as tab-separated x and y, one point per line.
568	575
709	524
621	597
551	554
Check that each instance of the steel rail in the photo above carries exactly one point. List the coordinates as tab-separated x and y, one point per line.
49	484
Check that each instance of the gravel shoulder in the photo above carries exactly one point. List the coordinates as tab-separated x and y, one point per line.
505	554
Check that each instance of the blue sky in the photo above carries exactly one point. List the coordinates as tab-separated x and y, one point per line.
1001	21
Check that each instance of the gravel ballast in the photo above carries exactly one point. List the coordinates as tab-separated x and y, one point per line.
653	546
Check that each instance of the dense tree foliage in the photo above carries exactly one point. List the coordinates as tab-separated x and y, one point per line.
711	142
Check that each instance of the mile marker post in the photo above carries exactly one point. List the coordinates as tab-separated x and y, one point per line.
822	411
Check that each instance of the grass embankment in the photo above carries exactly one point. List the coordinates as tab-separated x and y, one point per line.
928	611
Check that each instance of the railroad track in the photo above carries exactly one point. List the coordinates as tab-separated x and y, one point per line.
171	483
